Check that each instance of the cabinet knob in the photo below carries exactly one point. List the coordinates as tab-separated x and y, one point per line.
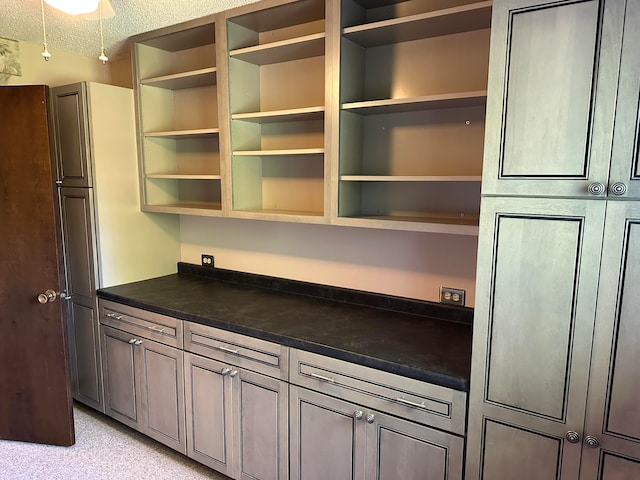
225	371
132	341
138	342
591	442
618	189
370	418
572	437
233	373
358	415
596	188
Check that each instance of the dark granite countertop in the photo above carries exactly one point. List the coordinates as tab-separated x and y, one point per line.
413	344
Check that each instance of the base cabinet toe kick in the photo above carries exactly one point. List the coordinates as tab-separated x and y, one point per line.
255	409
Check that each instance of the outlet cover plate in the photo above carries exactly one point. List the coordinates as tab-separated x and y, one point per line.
452	296
207	260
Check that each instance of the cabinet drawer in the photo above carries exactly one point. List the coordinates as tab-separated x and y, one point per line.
161	328
247	352
404	397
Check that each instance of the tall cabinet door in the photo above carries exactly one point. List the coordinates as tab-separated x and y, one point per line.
625	164
551	98
613	415
534	314
72	135
76	207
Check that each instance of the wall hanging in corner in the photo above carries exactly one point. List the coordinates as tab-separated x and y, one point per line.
10	57
88	8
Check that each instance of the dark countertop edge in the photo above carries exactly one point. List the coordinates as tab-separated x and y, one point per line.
424	308
448	381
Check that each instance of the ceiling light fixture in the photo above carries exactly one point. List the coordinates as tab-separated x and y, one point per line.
74	7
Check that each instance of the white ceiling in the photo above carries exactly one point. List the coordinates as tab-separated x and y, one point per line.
22	20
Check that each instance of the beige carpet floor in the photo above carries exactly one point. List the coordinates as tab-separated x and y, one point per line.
104	450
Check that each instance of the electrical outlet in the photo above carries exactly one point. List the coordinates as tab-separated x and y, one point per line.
452	296
207	260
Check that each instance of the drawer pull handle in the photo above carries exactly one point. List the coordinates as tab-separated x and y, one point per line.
114	315
229	350
410	403
156	329
323	378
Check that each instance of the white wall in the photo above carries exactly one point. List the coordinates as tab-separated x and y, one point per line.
61	69
407	264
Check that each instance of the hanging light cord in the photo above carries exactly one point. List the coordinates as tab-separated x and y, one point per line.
103	57
45	52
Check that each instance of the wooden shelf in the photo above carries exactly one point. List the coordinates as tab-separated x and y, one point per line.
196	133
427	102
467	225
191	208
408	178
180	81
282	51
459	19
277	116
182	176
283	214
279	153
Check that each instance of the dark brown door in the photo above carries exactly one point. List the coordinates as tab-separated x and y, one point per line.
35	393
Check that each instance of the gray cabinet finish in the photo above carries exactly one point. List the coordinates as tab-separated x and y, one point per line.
327	441
554	391
72	135
613	407
209	413
76	207
237	419
144	386
552	94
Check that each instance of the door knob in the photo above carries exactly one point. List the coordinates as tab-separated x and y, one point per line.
51	295
48	296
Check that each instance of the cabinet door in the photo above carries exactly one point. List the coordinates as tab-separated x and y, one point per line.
72	135
161	387
551	99
625	166
613	415
261	426
536	295
327	440
209	413
400	449
84	351
120	374
76	212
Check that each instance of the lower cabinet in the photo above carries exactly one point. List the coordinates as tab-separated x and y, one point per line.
143	378
353	422
333	438
257	410
236	419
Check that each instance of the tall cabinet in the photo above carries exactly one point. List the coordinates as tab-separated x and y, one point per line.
106	239
554	389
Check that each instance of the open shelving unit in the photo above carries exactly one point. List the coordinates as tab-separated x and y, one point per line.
177	103
277	76
412	107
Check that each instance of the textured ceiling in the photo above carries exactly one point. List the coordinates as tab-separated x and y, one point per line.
22	20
